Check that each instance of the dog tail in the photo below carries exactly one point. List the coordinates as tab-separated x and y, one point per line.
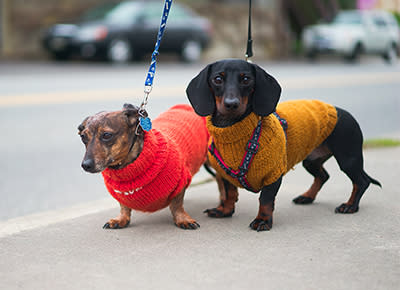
373	181
208	169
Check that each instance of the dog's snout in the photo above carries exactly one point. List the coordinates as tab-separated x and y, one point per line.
88	165
231	103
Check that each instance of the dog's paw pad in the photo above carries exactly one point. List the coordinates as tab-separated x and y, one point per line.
346	208
303	200
216	213
261	225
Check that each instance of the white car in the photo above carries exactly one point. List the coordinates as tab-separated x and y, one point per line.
355	32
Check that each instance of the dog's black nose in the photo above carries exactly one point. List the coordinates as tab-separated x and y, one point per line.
231	103
88	165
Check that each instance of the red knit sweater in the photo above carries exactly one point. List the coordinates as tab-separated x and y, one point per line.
173	152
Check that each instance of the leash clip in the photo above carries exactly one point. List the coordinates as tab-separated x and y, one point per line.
147	89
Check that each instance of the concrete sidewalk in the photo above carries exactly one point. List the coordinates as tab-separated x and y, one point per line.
309	247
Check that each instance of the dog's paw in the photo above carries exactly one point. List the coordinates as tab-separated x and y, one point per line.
184	221
346	208
303	200
188	225
261	224
116	224
219	213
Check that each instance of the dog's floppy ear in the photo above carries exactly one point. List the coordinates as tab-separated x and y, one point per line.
131	112
82	126
200	94
266	93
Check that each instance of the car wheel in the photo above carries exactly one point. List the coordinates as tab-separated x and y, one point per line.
311	55
119	51
390	56
191	51
61	56
355	54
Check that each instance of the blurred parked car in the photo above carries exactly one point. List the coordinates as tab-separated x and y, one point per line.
128	30
352	33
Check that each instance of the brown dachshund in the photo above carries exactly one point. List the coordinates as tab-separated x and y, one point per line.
146	171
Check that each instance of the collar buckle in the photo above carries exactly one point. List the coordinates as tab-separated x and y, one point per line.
252	146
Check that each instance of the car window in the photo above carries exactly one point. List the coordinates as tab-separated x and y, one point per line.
348	18
97	12
180	13
379	21
391	21
124	13
153	12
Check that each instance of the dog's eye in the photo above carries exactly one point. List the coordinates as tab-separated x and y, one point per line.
218	80
107	136
245	80
84	139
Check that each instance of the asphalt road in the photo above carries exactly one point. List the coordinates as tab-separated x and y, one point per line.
41	105
309	247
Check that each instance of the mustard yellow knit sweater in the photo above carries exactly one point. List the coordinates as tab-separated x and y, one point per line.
310	122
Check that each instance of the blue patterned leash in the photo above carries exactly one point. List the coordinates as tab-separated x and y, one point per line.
144	120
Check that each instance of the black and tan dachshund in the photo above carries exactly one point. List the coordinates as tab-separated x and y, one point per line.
231	92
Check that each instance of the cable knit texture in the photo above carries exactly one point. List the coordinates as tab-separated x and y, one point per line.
173	152
310	122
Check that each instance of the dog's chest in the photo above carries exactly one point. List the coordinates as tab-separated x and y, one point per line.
267	165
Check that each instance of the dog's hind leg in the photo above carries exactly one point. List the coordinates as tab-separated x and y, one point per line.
346	145
360	185
228	197
313	164
181	218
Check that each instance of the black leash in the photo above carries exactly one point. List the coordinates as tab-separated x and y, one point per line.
249	50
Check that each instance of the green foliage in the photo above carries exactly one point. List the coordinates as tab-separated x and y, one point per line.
397	16
379	143
347	4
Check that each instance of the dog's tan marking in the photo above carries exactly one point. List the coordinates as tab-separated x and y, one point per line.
181	218
314	189
228	199
353	195
122	220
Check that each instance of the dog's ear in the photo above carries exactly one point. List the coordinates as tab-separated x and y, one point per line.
131	112
200	94
82	126
266	94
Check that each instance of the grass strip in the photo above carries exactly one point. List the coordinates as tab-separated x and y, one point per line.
381	143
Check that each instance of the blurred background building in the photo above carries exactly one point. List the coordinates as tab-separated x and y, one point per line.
277	24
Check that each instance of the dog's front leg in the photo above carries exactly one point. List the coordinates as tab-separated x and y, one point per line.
228	197
121	221
263	221
181	218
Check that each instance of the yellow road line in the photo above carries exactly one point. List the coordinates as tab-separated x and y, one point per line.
295	83
85	96
335	81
